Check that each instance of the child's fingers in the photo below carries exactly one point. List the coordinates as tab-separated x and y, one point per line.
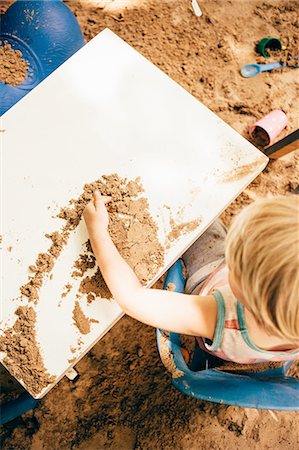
107	199
98	198
89	208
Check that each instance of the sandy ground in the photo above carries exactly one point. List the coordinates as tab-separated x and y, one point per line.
123	398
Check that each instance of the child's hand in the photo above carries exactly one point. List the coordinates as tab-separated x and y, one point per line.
95	214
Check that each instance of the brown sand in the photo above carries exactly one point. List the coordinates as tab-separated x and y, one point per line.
95	287
134	233
123	398
131	227
44	264
23	358
170	286
81	321
68	288
260	137
251	368
279	177
167	357
84	262
182	228
239	172
13	68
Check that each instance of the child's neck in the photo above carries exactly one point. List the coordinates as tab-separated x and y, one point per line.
262	339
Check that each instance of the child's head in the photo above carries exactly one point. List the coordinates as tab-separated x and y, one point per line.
262	252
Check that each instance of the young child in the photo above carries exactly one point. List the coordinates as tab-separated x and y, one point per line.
246	310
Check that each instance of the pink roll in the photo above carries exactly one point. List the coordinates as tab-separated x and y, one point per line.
266	129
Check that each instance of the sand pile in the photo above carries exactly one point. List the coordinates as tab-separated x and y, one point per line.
81	321
23	358
13	68
132	229
134	233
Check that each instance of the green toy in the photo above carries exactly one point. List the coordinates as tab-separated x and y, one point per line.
270	43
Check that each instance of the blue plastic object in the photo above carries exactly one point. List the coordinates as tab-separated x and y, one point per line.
15	408
270	389
250	70
175	277
47	33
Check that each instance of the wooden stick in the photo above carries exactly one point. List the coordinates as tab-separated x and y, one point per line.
286	145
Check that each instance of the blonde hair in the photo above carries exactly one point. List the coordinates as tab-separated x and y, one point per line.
262	250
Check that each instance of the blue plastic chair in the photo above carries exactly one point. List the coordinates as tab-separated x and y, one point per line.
270	389
15	408
47	33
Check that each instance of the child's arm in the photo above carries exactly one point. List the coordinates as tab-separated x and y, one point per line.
181	313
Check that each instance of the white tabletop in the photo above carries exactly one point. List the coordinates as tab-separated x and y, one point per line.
105	110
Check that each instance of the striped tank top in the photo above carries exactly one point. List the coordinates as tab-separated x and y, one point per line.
231	341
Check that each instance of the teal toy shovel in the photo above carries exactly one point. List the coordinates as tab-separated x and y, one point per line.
251	70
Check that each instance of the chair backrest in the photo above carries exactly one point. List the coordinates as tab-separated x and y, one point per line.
263	390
